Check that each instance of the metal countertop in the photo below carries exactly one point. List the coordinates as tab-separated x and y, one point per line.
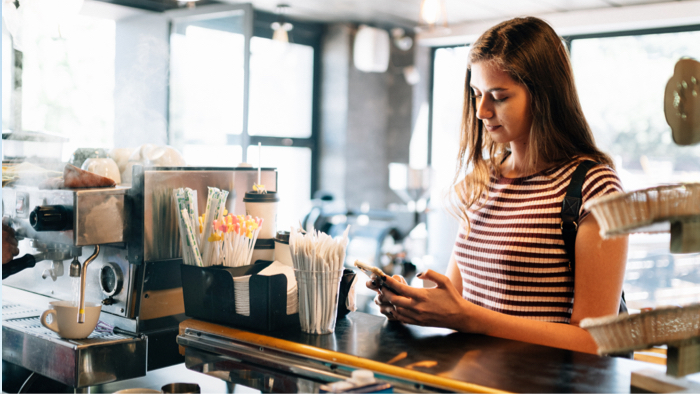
437	358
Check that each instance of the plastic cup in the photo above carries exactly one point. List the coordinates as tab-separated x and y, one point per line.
263	206
318	300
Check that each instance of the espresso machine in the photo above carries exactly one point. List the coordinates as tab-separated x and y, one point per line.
116	246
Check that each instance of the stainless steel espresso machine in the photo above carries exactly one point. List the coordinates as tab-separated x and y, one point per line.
123	244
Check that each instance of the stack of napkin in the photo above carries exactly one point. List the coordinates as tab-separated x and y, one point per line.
242	288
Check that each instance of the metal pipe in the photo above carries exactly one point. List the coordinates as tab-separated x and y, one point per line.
81	312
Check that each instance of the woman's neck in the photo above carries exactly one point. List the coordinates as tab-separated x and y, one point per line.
516	165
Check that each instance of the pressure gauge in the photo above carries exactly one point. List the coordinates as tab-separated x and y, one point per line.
111	279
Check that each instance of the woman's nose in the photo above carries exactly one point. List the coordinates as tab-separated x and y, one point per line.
483	111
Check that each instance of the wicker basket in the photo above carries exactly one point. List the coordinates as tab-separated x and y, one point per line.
622	213
623	333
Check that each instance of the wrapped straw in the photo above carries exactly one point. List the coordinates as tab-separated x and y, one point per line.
318	262
216	202
191	238
185	202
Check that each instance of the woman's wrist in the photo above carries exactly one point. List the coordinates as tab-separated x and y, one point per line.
474	319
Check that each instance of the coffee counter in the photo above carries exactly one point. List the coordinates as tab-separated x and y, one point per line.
412	358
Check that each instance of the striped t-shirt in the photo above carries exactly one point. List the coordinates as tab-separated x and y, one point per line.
513	259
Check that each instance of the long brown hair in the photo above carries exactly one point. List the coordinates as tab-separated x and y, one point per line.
533	55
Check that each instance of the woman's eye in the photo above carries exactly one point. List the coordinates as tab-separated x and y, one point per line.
499	100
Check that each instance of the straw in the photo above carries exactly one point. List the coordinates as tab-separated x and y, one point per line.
191	237
259	161
318	258
215	209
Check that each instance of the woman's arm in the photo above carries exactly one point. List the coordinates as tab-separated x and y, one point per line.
454	274
599	271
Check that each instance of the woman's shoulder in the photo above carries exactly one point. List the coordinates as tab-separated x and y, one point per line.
601	179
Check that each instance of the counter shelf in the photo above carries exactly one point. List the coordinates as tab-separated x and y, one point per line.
413	358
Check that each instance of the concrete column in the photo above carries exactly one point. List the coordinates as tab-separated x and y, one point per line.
365	122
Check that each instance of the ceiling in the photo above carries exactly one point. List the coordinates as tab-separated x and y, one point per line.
403	12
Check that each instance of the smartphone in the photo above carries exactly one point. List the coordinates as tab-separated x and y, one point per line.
381	276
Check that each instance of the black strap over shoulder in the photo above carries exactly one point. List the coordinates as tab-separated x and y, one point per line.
570	214
570	209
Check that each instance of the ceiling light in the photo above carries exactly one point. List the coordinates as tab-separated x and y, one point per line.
281	27
431	12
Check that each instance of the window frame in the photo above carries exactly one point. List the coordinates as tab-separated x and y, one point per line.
304	33
257	24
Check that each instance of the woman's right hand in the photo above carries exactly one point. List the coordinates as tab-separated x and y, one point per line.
386	308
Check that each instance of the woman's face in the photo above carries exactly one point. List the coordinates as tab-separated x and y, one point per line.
502	104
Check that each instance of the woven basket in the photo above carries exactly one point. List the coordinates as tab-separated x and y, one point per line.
622	213
623	333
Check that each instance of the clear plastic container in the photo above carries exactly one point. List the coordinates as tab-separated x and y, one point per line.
318	300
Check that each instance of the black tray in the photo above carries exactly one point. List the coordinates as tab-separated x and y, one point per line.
209	295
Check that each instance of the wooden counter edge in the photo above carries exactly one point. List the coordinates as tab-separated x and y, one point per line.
331	356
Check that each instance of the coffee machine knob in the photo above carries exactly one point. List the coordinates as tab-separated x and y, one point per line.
51	218
111	279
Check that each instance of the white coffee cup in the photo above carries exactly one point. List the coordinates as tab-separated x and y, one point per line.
105	167
64	319
263	205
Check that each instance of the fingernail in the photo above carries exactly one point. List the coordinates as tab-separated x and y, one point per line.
374	283
420	274
392	314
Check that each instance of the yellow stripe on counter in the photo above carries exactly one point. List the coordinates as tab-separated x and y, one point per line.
334	357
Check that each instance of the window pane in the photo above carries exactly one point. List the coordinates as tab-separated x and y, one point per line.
281	88
621	83
293	180
212	155
206	80
449	71
68	81
7	69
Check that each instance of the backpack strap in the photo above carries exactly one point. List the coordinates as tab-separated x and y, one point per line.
570	210
569	225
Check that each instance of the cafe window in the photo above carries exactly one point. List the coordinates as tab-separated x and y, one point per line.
621	81
67	81
449	73
232	87
7	83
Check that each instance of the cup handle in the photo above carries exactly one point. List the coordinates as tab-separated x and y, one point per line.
53	326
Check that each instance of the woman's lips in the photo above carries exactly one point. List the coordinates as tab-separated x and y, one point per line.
492	128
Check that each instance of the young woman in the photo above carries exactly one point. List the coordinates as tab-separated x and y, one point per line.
523	135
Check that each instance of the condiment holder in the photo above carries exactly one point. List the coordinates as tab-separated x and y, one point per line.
210	295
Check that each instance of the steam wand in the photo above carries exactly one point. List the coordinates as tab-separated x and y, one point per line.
81	311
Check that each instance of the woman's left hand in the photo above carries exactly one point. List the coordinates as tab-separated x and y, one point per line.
441	306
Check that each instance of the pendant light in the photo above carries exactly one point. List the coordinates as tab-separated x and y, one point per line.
281	27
